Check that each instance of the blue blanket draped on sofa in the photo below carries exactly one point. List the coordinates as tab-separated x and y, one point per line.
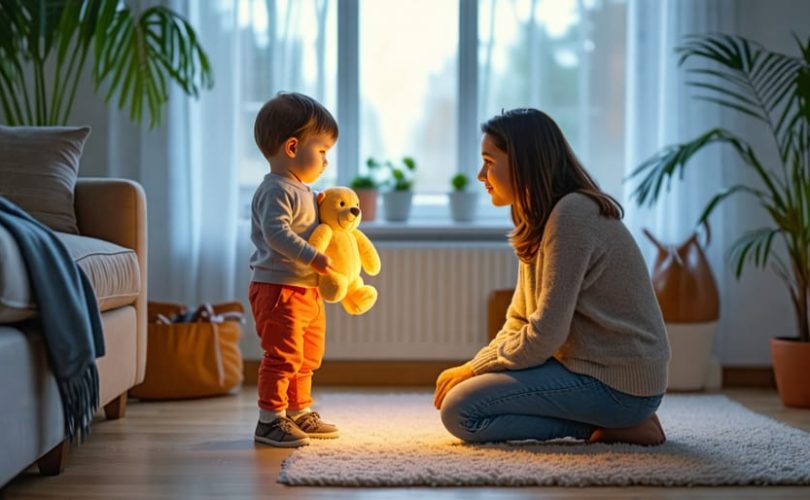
68	315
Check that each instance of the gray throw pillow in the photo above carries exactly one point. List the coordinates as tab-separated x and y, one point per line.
38	170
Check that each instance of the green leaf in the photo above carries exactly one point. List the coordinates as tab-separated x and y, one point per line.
731	78
673	159
459	182
134	56
743	100
753	246
761	80
737	107
720	197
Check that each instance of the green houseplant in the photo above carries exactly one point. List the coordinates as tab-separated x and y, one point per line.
459	182
463	202
773	88
400	175
366	188
397	199
45	46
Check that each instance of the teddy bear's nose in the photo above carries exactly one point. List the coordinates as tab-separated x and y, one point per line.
355	211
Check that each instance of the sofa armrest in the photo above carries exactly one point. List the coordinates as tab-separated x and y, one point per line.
114	210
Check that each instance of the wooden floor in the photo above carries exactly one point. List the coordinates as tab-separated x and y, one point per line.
204	449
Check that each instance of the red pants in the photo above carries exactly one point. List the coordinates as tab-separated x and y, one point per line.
291	322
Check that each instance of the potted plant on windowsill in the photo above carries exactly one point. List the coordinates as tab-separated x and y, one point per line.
398	197
773	88
463	203
366	188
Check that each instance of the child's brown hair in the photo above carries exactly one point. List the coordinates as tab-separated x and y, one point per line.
290	114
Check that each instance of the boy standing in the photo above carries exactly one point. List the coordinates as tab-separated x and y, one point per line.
294	133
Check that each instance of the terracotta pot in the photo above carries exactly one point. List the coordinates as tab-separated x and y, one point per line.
791	364
368	203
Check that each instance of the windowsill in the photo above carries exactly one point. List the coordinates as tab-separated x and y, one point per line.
436	230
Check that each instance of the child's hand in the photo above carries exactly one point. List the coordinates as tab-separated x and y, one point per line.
448	379
322	263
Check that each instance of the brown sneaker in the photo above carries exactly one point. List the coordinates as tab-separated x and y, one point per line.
281	432
647	433
314	427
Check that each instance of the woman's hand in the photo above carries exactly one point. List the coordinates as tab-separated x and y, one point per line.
448	379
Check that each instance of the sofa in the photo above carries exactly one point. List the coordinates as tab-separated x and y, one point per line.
111	249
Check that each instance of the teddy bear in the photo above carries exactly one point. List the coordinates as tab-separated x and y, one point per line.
349	249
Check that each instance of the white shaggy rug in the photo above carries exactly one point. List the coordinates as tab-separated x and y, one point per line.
398	440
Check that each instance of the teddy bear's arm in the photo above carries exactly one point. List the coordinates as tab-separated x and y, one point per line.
369	258
321	237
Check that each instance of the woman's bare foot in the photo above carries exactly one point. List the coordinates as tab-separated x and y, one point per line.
647	433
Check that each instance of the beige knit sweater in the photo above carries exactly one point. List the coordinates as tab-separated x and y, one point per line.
588	301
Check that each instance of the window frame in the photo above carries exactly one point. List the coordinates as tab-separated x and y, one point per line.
428	205
348	111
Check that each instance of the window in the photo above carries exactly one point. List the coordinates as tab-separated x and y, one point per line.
408	86
286	45
423	92
565	57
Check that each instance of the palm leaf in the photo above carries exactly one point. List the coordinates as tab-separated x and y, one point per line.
774	88
143	53
134	57
747	110
672	160
9	62
719	197
754	246
761	81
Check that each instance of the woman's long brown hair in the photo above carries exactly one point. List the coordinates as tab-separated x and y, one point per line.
544	169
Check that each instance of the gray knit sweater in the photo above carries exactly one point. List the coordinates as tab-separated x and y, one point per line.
284	212
587	300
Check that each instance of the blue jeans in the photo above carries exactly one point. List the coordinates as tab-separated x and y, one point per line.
544	402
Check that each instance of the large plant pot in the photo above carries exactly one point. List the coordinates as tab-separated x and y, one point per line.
791	366
463	205
397	205
368	204
691	345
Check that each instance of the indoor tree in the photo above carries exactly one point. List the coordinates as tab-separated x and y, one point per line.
774	89
133	54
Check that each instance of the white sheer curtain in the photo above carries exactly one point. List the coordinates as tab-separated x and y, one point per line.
662	110
213	170
565	57
187	168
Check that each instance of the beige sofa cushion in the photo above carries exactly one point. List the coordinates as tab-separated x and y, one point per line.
113	270
39	166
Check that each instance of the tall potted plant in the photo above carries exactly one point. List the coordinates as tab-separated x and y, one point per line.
398	197
773	88
134	54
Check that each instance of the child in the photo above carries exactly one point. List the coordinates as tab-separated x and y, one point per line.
294	133
583	352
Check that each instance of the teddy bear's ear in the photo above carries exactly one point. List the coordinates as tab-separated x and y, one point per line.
321	197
